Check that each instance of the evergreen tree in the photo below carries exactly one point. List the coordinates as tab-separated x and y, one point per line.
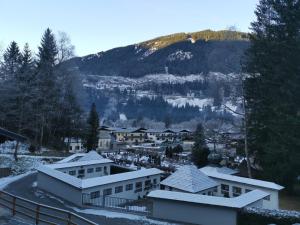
48	91
92	129
12	61
273	89
200	151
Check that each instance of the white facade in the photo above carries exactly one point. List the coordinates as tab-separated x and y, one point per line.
233	186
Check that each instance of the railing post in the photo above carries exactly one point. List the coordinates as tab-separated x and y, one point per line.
37	214
14	206
69	219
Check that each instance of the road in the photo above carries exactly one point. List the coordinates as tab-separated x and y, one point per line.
25	188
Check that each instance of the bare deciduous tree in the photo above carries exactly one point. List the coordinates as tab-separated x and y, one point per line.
65	48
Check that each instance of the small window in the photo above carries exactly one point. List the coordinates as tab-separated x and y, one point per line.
118	189
138	186
90	170
155	181
105	169
107	191
77	147
225	190
236	191
95	194
81	171
98	169
267	198
128	187
72	172
147	183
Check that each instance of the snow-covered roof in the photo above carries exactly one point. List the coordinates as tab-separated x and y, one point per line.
223	169
244	180
78	163
74	181
91	155
97	181
237	202
189	178
72	158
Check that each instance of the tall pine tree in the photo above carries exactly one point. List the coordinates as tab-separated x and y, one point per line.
200	150
273	89
92	129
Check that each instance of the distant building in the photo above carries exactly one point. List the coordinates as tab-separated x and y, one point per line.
105	140
74	144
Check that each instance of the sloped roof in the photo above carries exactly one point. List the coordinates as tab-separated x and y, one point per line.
244	180
91	155
224	170
97	181
237	202
189	179
12	135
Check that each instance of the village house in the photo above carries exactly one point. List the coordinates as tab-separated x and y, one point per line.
84	179
74	144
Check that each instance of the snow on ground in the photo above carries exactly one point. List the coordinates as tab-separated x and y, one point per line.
9	147
7	180
184	101
111	214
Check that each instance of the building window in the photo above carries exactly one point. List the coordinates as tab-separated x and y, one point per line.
95	194
236	191
138	186
105	169
118	189
98	169
148	184
155	181
267	198
107	191
225	190
71	148
128	187
90	170
72	172
81	171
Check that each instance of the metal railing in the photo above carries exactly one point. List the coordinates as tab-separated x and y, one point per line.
128	205
39	213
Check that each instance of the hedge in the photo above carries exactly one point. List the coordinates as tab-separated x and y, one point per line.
258	216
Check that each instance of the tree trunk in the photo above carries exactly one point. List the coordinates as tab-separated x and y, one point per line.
16	151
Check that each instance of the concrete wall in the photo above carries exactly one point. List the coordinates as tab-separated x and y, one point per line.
59	188
193	213
273	203
131	194
86	174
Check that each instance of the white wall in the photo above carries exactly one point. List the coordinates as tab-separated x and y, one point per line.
193	213
86	174
273	203
126	194
59	188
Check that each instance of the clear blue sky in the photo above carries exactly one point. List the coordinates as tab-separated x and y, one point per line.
97	25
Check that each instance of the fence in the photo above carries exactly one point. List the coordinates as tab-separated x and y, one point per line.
142	206
39	213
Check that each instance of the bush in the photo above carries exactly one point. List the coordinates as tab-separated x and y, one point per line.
257	216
